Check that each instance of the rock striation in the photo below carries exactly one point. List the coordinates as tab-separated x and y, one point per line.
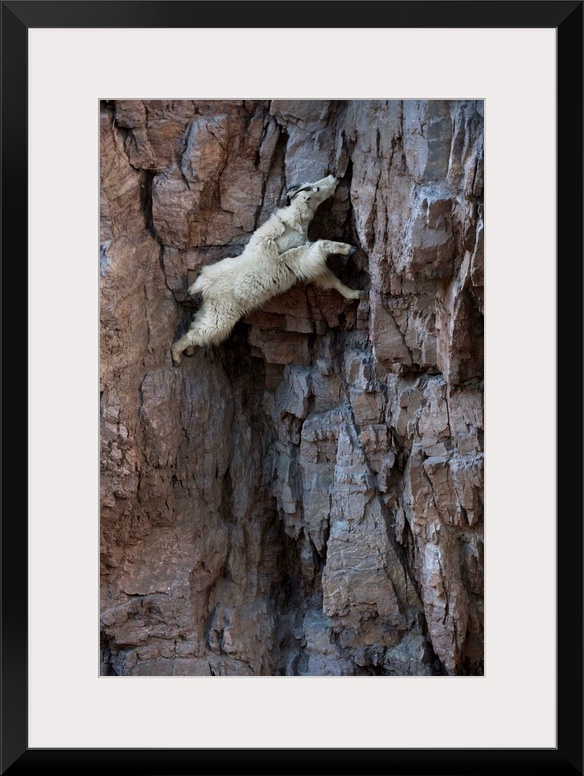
306	499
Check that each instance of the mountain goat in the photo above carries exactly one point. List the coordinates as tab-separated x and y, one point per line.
277	255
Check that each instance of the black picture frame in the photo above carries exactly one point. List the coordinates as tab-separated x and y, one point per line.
566	17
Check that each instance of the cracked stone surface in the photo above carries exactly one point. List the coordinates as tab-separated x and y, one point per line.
306	499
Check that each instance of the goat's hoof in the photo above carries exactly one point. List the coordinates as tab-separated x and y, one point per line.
362	294
175	358
189	351
352	250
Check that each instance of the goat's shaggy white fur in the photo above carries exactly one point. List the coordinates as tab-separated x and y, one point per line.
276	257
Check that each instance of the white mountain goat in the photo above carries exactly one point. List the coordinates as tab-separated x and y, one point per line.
277	256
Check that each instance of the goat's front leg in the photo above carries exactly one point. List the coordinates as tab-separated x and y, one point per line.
309	263
328	279
332	246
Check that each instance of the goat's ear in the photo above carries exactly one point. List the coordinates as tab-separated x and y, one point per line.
291	193
294	190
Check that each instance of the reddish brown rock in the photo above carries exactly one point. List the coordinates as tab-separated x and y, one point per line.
307	498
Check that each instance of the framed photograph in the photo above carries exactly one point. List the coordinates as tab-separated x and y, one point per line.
295	290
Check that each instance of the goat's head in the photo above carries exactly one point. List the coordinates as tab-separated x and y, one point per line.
313	193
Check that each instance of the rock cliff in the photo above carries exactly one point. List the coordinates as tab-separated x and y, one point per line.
306	499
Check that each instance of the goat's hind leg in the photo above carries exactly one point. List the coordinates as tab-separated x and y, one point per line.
210	326
187	343
182	345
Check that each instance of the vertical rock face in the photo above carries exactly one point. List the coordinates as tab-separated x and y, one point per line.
306	499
